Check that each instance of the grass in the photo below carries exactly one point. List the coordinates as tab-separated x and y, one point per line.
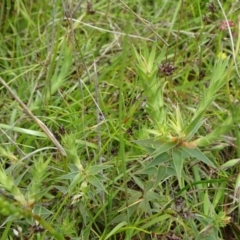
119	120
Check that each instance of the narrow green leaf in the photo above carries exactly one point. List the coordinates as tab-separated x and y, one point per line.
194	125
149	170
196	153
159	159
151	58
76	180
95	182
178	165
197	177
152	222
160	174
119	218
193	128
93	170
230	163
206	203
42	211
237	187
216	133
23	130
138	182
164	148
115	229
149	149
179	119
219	194
69	176
149	142
218	77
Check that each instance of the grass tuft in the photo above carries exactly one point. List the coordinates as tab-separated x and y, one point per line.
119	120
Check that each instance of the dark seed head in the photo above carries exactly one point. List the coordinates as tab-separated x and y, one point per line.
167	68
211	7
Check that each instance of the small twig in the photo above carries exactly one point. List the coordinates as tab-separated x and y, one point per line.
35	119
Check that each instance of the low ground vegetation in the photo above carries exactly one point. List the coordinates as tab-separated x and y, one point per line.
119	120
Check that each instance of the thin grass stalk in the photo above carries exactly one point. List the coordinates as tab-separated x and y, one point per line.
121	120
98	128
145	22
108	31
44	128
231	38
51	53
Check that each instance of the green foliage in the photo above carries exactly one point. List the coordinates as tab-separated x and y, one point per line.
119	120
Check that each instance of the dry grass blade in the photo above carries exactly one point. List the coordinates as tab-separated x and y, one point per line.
35	119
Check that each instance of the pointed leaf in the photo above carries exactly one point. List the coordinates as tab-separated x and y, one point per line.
194	125
156	220
138	181
95	182
151	58
196	153
69	176
42	211
178	165
148	171
164	148
93	170
115	229
160	174
149	142
159	159
76	180
230	163
193	128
